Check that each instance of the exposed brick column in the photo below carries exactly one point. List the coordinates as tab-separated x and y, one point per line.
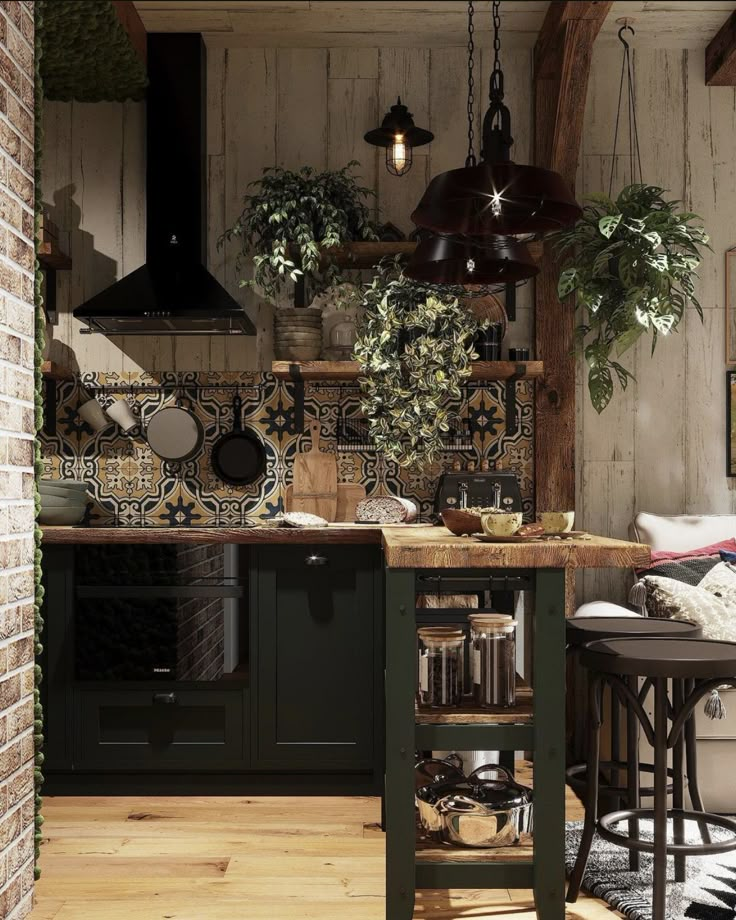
16	458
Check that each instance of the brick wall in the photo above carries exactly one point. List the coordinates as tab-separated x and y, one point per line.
16	463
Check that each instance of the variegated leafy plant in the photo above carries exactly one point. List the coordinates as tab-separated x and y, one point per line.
415	349
305	212
631	264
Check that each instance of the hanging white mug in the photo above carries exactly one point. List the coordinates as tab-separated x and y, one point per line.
121	413
94	415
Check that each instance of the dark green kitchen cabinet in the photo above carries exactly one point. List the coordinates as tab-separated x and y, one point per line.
315	674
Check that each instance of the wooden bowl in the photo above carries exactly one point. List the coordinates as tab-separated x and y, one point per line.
461	522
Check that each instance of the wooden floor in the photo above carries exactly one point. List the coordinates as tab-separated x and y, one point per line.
229	858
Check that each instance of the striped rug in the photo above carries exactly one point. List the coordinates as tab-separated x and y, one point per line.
709	893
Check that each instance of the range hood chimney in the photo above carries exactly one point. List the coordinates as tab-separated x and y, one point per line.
173	293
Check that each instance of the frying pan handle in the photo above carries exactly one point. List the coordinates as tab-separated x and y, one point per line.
237	413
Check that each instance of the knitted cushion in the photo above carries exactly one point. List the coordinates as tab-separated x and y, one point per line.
667	598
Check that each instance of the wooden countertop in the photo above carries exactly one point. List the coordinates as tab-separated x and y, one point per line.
405	546
436	548
333	533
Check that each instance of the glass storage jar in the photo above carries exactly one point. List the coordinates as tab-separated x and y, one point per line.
493	663
441	660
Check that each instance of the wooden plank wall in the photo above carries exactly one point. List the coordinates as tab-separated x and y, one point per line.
265	106
661	446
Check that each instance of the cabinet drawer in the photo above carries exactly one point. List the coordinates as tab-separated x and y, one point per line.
163	728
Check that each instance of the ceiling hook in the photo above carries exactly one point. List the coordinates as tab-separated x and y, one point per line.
626	27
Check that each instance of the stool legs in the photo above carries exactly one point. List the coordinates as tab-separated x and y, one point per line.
632	770
691	754
659	899
591	792
678	783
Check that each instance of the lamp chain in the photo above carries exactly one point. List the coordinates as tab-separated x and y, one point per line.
496	88
628	77
470	159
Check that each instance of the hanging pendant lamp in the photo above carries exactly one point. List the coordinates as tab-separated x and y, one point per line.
399	135
500	261
496	195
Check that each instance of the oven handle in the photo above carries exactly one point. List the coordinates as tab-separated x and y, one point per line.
164	699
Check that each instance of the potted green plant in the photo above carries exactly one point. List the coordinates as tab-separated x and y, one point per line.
415	350
631	262
302	211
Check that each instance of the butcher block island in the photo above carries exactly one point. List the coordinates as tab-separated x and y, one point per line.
299	705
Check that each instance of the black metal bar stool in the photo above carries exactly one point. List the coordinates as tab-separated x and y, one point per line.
612	793
695	667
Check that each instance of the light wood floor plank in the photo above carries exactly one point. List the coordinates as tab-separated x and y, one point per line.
224	858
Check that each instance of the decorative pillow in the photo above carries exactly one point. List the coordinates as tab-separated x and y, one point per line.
670	599
721	581
727	556
690	571
712	550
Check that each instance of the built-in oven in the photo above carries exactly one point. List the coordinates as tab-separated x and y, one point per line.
173	613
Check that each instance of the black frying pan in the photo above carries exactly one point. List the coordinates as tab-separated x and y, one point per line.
238	457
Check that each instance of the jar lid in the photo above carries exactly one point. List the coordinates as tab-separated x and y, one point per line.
440	635
493	622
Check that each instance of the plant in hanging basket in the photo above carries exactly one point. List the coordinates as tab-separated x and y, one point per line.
415	349
313	211
631	263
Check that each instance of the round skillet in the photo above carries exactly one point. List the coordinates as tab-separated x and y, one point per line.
175	433
238	457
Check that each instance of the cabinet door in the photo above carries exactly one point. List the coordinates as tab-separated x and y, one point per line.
315	632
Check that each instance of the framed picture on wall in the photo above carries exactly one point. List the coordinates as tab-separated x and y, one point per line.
731	422
731	306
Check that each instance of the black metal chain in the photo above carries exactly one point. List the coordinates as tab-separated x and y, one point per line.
634	151
470	159
496	83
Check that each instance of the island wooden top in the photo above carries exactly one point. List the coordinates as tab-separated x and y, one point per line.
436	548
405	546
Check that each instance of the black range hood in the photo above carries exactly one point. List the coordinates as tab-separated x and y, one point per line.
173	293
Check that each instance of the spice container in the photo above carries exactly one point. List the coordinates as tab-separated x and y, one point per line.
493	662
441	660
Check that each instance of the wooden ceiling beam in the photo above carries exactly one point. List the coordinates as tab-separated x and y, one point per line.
720	55
562	57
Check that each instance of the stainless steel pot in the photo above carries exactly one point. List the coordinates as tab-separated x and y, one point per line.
475	812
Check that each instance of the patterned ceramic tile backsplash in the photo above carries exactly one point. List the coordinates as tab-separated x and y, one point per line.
132	486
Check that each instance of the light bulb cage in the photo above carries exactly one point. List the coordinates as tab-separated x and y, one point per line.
398	127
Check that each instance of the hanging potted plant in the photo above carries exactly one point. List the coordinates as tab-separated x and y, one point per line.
415	350
286	230
631	262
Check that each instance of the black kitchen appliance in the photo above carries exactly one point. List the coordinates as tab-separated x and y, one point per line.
478	489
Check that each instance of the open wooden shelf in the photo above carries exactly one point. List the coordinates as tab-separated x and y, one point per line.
369	254
51	257
53	371
427	851
350	370
520	714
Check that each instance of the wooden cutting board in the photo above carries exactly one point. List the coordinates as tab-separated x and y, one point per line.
348	496
315	479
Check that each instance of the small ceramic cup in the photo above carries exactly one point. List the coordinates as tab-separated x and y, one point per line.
501	523
94	415
557	521
121	413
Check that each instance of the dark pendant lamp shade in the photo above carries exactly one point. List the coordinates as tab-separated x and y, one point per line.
448	260
399	135
500	197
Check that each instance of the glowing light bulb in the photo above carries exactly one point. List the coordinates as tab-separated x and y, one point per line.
470	266
399	153
496	205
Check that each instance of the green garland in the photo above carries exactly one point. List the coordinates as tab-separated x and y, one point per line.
88	56
39	341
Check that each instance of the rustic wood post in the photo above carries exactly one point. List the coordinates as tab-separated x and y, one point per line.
562	57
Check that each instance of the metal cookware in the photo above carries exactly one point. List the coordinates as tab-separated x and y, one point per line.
175	433
476	812
239	456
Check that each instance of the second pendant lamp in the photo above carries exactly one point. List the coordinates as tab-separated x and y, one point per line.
496	195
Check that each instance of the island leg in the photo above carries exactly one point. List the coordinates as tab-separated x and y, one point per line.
400	719
549	752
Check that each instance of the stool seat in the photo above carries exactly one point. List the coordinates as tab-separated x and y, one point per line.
581	630
669	658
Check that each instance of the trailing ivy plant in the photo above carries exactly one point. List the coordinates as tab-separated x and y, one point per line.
631	264
312	211
415	350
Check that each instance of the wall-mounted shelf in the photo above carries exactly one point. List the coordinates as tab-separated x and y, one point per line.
360	255
51	260
350	370
53	371
52	374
